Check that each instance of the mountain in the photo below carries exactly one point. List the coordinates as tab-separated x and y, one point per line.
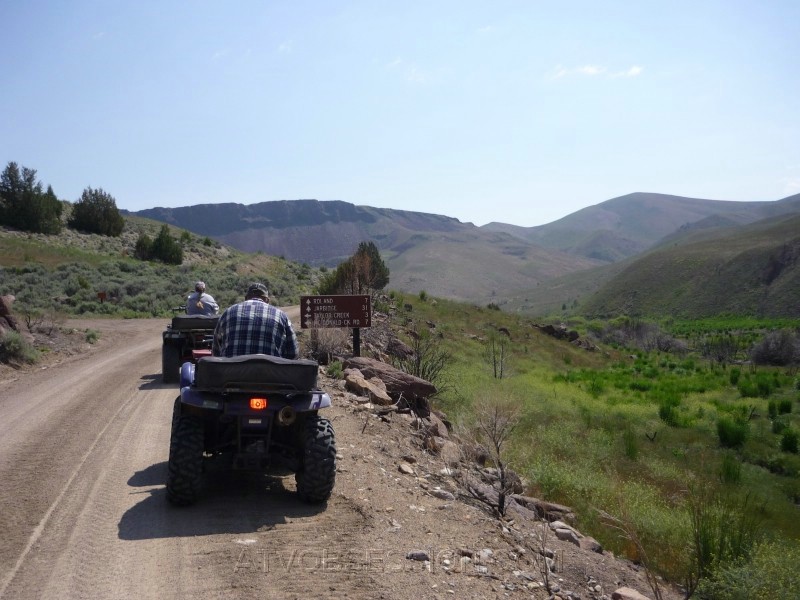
536	270
751	269
625	226
437	254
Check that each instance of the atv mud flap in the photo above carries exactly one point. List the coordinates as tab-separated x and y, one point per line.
254	438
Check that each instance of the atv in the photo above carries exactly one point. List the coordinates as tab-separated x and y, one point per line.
186	338
251	412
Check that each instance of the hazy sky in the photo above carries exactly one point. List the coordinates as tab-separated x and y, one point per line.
495	110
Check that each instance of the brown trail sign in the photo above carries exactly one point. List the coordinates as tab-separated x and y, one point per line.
337	311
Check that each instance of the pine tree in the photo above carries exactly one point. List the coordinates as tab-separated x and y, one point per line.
166	248
362	273
96	212
23	204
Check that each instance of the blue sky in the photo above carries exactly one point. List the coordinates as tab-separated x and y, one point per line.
514	111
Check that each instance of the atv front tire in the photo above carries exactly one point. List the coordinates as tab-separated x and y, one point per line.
317	474
185	467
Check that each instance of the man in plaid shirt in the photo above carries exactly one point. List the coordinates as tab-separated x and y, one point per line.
254	327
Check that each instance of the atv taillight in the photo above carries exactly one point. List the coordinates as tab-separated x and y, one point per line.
258	403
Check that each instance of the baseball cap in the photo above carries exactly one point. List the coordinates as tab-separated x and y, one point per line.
258	289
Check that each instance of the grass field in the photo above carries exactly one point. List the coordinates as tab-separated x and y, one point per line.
643	436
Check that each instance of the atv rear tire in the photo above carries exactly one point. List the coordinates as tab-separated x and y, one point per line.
185	467
317	474
170	363
176	414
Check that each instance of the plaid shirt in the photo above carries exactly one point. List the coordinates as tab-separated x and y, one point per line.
254	327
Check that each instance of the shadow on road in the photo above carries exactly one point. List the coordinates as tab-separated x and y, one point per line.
233	502
154	381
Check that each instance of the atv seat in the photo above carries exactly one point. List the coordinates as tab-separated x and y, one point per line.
255	371
190	322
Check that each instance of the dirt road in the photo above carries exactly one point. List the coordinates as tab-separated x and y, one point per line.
83	514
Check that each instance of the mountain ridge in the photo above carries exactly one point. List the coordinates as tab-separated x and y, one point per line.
496	263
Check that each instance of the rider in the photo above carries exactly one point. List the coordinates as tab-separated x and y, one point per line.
200	303
254	327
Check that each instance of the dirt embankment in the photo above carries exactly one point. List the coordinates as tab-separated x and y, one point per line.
83	513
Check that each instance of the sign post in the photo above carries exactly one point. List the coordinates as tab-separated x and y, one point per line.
337	312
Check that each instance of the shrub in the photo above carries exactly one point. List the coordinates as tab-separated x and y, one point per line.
785	407
771	572
778	426
732	433
334	369
731	469
92	336
734	375
669	414
789	440
779	348
772	409
327	343
630	444
14	349
429	360
723	532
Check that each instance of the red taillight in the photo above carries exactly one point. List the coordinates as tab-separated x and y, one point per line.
258	403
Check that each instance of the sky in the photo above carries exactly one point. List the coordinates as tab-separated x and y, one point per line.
514	111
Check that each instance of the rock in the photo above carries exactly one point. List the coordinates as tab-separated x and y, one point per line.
442	494
12	322
5	304
437	427
419	555
450	453
589	543
546	510
370	389
568	535
398	383
492	477
561	525
626	593
397	348
405	468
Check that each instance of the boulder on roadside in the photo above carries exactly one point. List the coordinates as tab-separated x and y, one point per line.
372	389
398	384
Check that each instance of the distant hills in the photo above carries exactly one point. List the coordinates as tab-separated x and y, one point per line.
643	253
438	254
628	225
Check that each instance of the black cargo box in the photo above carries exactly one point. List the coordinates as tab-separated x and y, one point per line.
190	322
255	371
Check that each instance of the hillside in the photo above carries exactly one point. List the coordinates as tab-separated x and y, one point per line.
438	254
64	273
746	270
625	226
536	270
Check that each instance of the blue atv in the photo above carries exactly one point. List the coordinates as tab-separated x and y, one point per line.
253	412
